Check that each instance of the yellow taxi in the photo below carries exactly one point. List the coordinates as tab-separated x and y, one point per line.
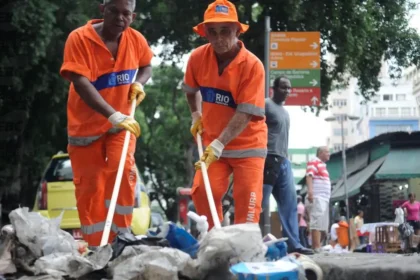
56	195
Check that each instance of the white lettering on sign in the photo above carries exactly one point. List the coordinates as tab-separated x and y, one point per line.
302	90
222	99
123	78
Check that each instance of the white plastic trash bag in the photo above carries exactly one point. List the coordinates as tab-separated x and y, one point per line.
129	252
75	266
231	245
41	235
163	264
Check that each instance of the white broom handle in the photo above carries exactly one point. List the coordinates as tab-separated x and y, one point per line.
209	192
117	185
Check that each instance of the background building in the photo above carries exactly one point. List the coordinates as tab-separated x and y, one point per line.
414	75
394	107
346	101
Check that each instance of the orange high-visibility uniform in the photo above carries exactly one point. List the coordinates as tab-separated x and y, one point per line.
93	145
239	88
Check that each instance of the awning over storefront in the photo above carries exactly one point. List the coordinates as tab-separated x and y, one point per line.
400	164
355	181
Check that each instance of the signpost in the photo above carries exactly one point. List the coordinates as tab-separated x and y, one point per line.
297	56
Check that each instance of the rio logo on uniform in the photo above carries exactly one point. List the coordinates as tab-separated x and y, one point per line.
222	9
222	99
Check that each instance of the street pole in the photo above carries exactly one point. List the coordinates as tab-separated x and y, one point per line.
267	55
343	152
265	222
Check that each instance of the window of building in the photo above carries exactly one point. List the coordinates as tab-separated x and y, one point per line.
337	131
400	97
380	112
337	146
418	100
387	97
406	112
393	111
340	102
414	111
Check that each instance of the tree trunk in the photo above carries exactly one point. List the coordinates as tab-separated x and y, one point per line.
189	163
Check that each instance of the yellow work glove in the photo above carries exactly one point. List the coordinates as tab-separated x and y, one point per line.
120	120
211	154
197	125
137	92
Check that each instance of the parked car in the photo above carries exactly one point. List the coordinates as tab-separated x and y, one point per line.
56	193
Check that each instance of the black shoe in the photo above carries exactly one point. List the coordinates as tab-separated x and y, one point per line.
304	251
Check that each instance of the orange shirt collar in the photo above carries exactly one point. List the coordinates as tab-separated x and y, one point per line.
91	32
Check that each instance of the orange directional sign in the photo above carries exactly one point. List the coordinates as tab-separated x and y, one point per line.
294	60
294	41
297	55
294	50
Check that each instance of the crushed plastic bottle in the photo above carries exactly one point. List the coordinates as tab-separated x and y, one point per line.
177	237
202	224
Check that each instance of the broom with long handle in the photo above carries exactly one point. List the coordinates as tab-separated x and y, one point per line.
206	180
116	190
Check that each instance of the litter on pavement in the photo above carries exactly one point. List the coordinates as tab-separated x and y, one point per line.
35	248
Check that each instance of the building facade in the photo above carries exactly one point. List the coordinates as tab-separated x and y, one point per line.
347	102
394	107
414	75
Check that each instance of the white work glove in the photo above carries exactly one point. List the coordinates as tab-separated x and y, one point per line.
120	120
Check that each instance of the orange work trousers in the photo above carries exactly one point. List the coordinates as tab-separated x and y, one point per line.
247	188
94	172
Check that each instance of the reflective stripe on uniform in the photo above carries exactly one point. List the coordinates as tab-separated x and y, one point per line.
119	209
115	130
87	140
189	89
251	109
98	227
245	153
82	141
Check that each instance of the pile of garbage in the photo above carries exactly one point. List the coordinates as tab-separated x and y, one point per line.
35	248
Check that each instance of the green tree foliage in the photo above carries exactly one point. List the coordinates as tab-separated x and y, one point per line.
32	94
358	33
165	148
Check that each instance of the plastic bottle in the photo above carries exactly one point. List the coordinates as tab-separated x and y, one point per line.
177	237
202	224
